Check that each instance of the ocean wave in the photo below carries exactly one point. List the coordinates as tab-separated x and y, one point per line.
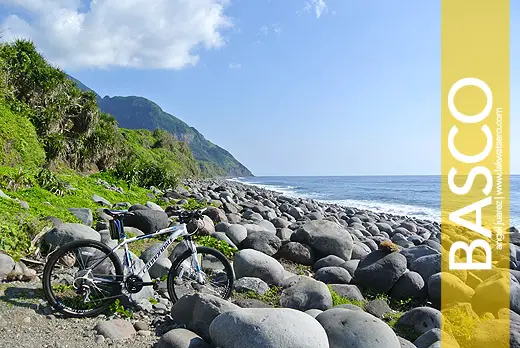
377	206
391	208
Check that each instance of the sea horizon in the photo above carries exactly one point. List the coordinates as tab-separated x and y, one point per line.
417	196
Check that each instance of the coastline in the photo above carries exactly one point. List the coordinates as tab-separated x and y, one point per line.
262	187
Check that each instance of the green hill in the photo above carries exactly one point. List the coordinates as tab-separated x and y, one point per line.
140	113
58	149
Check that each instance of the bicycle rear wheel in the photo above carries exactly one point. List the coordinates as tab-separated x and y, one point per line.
73	287
216	271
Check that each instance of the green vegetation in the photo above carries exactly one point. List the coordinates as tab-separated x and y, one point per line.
154	159
18	142
140	113
19	226
193	204
392	318
55	144
460	322
271	297
338	300
117	308
152	300
215	243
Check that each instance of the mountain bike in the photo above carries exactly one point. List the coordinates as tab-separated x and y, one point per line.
84	277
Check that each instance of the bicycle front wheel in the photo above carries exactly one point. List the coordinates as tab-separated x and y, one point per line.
215	269
76	284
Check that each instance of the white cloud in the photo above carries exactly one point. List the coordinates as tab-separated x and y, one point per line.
319	7
235	65
162	34
273	28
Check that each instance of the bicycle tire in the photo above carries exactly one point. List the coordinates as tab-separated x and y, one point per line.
200	250
49	266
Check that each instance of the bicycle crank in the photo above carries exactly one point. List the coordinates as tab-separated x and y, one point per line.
134	284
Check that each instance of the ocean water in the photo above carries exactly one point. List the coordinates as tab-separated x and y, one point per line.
417	196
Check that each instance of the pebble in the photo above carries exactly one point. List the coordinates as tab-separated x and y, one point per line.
139	325
145	333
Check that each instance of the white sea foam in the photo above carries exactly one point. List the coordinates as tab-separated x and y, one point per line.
391	208
419	212
375	206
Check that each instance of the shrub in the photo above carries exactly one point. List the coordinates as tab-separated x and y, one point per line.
145	173
50	182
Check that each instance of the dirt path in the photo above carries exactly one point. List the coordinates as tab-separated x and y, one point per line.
26	322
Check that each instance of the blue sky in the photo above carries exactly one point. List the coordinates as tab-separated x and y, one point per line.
334	87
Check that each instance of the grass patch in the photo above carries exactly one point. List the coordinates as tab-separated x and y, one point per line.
19	226
193	204
339	300
271	297
392	318
217	244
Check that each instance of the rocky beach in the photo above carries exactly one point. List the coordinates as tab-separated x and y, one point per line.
307	275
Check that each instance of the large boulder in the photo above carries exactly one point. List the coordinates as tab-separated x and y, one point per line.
252	263
410	285
415	252
247	284
333	275
6	265
454	290
181	338
204	227
327	261
237	233
347	328
496	333
147	220
351	292
306	294
267	328
380	270
69	232
326	238
501	286
296	252
216	214
419	321
196	312
265	242
83	214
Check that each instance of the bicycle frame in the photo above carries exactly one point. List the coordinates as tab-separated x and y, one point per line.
128	267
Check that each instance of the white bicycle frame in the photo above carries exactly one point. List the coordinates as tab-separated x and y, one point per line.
177	231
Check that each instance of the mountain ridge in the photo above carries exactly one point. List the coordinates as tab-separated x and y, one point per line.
135	112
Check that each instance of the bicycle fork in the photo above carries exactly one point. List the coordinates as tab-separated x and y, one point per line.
194	262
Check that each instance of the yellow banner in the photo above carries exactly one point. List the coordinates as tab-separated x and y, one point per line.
475	288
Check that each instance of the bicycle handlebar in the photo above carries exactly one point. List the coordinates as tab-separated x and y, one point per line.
115	213
184	215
